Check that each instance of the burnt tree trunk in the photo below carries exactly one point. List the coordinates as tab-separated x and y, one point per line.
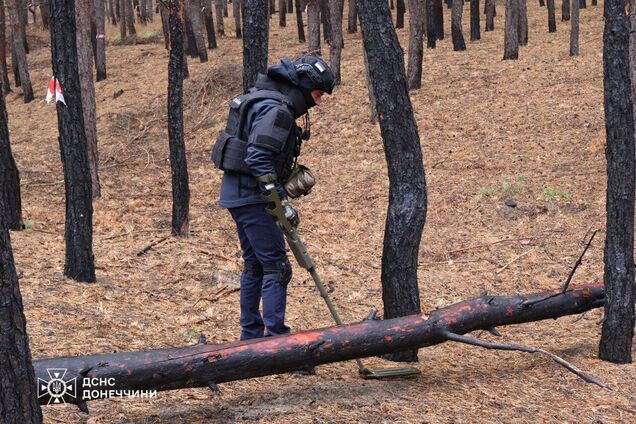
122	20
574	31
352	17
336	8
19	49
456	26
189	39
475	33
431	36
522	29
299	22
18	393
130	17
195	16
416	43
490	15
565	10
290	6
438	17
44	13
400	10
78	229
618	324
206	365
111	12
218	11
163	11
10	199
255	41
551	16
582	4
4	71
208	19
85	68
511	38
374	110
313	27
407	186
236	11
282	14
24	20
325	18
180	185
100	40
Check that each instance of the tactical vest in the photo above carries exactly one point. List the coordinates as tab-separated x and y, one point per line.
230	149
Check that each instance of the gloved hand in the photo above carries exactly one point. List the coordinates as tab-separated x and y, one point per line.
290	213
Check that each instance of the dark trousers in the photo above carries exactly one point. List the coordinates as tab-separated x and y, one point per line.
263	246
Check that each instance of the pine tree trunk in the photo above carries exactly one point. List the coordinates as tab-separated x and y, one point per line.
475	33
100	39
18	393
299	22
189	40
78	230
352	17
431	31
193	12
574	31
511	38
4	70
290	6
551	16
208	19
522	30
565	10
582	4
325	18
456	26
313	27
490	15
218	5
20	50
255	41
225	10
111	12
374	110
416	43
236	11
438	9
24	21
618	324
85	69
44	13
130	17
336	8
407	186
10	199
180	186
399	14
122	20
163	11
282	15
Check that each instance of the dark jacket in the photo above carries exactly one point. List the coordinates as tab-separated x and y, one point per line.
240	189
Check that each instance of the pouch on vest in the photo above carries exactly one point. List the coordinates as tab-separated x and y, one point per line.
228	153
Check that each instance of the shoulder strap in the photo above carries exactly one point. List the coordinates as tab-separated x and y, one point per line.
240	105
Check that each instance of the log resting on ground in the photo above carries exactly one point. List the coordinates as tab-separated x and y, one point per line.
207	364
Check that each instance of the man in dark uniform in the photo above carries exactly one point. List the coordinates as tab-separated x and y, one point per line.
259	147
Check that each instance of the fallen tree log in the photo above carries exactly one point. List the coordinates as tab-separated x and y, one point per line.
207	365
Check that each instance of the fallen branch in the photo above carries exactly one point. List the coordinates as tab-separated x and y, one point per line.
206	365
153	244
577	263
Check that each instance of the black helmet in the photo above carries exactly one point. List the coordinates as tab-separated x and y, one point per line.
314	74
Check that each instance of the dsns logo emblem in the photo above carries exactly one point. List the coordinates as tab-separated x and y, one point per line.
56	387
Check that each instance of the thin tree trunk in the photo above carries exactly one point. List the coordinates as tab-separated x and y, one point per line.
78	230
282	15
10	199
416	43
522	31
111	12
618	323
431	30
325	18
195	16
565	10
313	27
122	20
407	185
189	40
225	10
130	17
85	69
255	41
19	50
100	39
438	9
4	71
163	11
299	22
374	110
399	13
582	4
551	17
236	11
490	15
574	31
474	20
511	38
218	5
290	6
352	17
180	185
456	26
337	43
44	13
208	19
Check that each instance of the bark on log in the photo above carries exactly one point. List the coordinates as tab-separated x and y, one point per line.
207	365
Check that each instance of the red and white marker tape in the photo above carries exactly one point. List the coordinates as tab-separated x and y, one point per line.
54	87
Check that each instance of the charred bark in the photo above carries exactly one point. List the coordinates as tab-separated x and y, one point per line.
163	11
431	35
44	13
10	199
352	17
130	17
618	323
475	33
456	26
208	18
111	12
325	18
100	40
574	31
511	38
255	41
236	11
416	43
336	7
19	49
407	185
218	11
85	68
4	71
551	17
438	17
522	29
313	27
196	19
490	15
78	229
582	4
565	10
18	392
299	22
400	10
206	365
122	19
282	15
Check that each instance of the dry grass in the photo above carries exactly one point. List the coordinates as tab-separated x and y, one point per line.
531	129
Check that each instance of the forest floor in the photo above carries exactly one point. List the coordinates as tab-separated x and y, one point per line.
531	130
